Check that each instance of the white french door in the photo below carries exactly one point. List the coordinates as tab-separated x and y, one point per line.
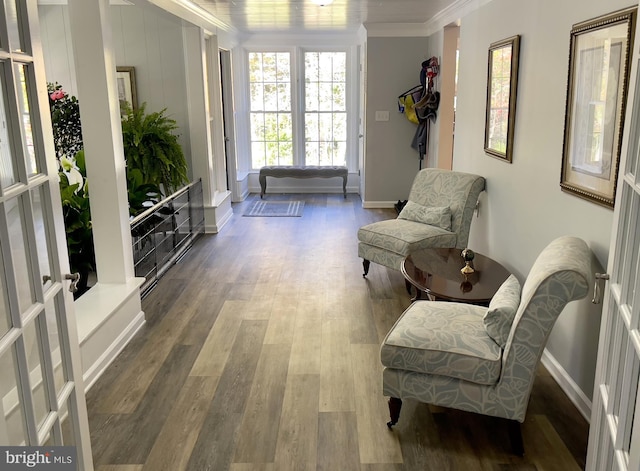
614	437
41	390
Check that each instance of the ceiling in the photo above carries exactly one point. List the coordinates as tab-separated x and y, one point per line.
302	15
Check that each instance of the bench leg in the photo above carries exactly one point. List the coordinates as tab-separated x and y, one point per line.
263	185
344	186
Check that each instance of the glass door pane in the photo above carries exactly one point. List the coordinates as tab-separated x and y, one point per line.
7	167
25	109
12	430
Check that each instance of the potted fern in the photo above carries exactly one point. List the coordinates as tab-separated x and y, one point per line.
152	150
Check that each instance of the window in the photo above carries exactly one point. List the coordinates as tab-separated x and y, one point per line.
325	121
314	133
270	108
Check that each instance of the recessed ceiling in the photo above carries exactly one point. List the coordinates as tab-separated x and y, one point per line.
304	15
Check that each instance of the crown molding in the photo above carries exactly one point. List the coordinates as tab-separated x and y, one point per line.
452	14
396	30
193	13
446	16
65	2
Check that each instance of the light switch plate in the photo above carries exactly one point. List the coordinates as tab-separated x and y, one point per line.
382	116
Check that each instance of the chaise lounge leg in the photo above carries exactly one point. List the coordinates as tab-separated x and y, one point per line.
515	435
395	404
365	265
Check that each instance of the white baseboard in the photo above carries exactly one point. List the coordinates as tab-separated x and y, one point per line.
567	384
378	204
95	371
216	217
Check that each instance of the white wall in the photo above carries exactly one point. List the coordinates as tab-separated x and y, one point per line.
524	208
393	67
144	36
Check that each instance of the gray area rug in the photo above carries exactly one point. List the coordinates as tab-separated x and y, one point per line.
275	209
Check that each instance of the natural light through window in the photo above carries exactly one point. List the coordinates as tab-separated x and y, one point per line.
325	120
270	106
286	130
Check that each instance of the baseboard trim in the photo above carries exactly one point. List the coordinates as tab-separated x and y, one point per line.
378	204
567	384
97	369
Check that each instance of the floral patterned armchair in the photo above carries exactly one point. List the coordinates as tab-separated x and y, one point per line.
482	359
438	214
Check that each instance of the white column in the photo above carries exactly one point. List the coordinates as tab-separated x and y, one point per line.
206	126
95	66
198	100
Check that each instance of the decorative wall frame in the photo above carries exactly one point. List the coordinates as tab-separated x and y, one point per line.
599	64
502	86
126	81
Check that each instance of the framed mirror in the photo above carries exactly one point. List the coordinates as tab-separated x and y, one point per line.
596	96
502	84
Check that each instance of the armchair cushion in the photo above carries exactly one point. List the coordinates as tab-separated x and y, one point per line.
443	338
403	237
502	310
439	216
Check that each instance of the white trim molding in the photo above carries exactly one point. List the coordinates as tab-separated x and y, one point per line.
378	204
108	315
452	14
396	30
190	11
567	384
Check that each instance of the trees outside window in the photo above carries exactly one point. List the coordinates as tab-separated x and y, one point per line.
321	117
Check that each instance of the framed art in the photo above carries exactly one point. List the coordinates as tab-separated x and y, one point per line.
126	81
502	85
596	96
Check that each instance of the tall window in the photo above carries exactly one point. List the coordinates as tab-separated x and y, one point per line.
314	133
270	108
325	120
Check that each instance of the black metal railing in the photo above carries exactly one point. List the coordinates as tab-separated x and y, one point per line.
165	231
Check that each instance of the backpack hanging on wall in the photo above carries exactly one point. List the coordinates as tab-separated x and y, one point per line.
407	101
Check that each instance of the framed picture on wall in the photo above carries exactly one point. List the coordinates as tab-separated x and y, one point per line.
126	81
599	67
502	84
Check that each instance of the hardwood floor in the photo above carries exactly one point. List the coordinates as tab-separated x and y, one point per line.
261	352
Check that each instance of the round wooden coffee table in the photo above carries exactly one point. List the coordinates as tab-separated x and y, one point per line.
436	273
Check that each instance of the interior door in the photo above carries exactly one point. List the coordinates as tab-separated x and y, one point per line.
41	389
362	102
614	437
226	82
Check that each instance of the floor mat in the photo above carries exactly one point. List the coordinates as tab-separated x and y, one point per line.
275	209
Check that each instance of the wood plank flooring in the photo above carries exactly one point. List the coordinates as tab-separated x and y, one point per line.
261	353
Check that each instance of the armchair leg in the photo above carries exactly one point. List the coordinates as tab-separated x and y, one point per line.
365	265
515	435
395	404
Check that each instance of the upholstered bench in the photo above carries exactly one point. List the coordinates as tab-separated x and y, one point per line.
304	171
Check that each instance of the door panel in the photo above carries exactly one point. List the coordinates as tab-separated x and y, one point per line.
40	374
614	417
